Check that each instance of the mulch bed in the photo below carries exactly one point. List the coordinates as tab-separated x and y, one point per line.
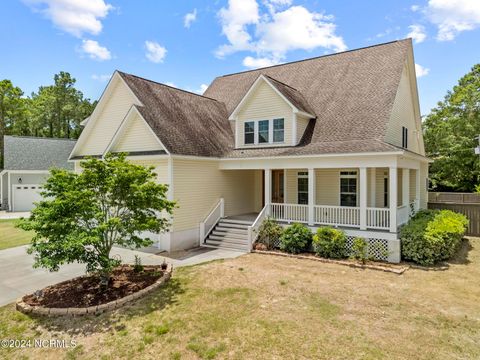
372	265
86	291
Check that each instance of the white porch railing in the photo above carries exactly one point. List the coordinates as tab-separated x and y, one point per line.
289	212
337	215
378	218
253	229
402	214
212	219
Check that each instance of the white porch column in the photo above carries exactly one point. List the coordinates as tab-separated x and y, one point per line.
311	196
373	187
268	189
417	189
392	188
363	198
406	187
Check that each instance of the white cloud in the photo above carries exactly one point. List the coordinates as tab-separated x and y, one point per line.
95	51
271	35
189	18
453	16
254	63
415	8
202	88
234	20
101	78
421	71
417	33
73	16
155	52
171	84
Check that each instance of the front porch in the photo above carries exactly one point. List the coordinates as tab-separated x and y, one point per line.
356	198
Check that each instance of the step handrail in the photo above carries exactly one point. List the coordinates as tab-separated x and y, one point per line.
253	229
212	219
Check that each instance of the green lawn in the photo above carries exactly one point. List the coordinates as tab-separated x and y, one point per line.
267	307
11	236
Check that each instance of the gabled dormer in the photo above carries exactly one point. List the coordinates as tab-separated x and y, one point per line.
271	113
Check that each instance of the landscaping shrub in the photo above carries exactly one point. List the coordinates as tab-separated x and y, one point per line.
432	236
296	238
360	250
330	243
269	233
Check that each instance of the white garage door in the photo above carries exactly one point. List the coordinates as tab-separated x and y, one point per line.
24	196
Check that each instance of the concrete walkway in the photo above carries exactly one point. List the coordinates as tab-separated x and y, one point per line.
19	278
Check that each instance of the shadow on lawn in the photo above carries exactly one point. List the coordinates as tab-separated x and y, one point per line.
109	321
461	257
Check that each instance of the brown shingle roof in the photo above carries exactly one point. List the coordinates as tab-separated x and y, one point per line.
186	123
350	93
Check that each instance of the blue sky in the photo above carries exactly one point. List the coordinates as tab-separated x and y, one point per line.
188	43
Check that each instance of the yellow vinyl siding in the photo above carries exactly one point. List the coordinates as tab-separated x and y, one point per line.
381	173
302	123
403	115
114	109
136	136
264	104
292	185
199	184
161	168
328	187
412	185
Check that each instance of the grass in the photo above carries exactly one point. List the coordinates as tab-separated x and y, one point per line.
10	236
279	307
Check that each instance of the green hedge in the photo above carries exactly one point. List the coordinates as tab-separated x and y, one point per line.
330	243
296	238
432	236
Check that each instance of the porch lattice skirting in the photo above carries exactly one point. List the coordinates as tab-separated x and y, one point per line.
378	249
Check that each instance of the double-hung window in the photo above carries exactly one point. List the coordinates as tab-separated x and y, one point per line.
278	130
348	188
302	187
249	132
263	131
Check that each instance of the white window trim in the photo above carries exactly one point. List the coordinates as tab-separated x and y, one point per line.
256	134
340	177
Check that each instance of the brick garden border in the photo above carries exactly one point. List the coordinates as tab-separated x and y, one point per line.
97	309
399	270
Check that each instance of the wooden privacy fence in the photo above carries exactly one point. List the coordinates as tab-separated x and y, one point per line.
464	203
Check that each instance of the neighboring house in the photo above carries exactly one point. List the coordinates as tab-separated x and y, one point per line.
333	140
27	162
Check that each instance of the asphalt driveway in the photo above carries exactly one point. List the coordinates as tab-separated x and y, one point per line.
18	277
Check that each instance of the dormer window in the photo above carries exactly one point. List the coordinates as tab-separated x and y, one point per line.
278	130
263	132
249	132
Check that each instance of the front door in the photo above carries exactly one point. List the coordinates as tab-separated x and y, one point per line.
278	187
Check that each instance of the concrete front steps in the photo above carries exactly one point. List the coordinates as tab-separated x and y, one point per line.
229	234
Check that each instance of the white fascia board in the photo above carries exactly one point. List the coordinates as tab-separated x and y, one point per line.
116	77
84	121
28	171
132	111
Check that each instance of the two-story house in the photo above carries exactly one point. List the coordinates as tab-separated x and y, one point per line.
333	140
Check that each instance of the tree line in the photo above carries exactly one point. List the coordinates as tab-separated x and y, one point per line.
52	111
451	133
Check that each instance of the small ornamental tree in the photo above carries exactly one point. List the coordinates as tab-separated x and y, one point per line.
82	215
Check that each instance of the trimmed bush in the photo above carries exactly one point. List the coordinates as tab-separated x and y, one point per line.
269	232
330	243
296	238
360	250
432	236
